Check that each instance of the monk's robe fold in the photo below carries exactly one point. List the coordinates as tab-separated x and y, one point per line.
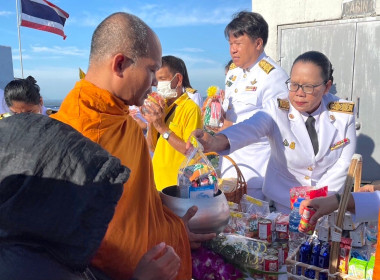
140	221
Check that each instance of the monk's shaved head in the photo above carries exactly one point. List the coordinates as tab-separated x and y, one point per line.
120	33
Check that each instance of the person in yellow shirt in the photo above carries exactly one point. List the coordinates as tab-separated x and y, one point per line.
171	123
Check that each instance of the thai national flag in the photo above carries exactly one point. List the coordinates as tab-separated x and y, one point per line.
43	15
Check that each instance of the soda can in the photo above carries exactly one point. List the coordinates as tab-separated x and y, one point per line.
265	230
304	255
305	226
270	265
272	252
278	246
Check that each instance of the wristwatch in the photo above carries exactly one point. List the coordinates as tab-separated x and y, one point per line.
166	134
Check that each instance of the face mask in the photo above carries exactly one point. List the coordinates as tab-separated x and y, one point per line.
165	90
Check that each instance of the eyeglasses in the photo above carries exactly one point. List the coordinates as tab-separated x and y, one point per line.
308	89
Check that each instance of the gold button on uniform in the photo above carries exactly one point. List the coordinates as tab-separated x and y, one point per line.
332	117
307	177
310	168
236	90
245	76
291	116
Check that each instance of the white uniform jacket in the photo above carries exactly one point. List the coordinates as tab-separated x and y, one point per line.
292	161
246	90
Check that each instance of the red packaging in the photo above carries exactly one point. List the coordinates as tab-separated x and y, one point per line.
344	254
270	264
265	230
307	193
282	227
305	226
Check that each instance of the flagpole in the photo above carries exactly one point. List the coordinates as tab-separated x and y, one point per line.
19	38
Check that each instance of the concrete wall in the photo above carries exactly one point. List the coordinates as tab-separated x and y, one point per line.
6	66
281	12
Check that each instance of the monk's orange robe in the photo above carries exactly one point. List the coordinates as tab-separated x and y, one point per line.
140	221
376	271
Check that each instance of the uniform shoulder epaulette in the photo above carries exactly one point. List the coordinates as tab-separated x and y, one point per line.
342	107
266	66
232	66
4	115
283	104
51	111
190	90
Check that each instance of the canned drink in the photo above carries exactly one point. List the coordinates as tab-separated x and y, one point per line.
278	246
305	226
265	230
270	265
272	252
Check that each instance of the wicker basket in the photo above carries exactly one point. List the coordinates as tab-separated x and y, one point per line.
241	185
353	178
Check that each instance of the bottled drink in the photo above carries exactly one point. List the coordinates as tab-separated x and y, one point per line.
295	237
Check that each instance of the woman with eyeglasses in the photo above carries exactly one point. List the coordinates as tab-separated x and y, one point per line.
23	96
311	133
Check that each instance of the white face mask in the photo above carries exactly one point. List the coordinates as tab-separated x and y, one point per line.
165	90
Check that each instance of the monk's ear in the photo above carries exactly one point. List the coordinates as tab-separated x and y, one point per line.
120	62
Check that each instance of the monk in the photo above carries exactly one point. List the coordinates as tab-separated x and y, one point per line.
125	54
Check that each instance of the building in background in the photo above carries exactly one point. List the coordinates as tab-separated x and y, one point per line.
348	32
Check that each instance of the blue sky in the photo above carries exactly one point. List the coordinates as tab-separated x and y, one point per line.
191	30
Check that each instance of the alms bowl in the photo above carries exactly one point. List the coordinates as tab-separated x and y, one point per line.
212	215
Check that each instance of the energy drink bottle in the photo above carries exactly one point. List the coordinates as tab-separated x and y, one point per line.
304	255
324	257
314	258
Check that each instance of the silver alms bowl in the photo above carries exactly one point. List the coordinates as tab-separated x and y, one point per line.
212	215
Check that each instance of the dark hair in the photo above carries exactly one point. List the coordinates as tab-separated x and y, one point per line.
227	66
120	33
252	24
176	65
320	60
24	90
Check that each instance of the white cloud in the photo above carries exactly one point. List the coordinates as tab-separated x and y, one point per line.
57	50
5	13
55	82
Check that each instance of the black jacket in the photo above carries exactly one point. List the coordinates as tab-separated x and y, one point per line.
58	192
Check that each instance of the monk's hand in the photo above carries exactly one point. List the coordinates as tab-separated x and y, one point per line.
195	238
160	262
322	205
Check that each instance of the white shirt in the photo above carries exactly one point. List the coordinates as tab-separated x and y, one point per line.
245	93
367	206
292	161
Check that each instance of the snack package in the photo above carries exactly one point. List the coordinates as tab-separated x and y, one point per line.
344	255
307	193
370	268
196	176
213	108
357	268
282	227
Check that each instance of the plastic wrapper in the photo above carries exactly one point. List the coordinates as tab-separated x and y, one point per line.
239	250
239	224
254	206
307	193
212	114
196	176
